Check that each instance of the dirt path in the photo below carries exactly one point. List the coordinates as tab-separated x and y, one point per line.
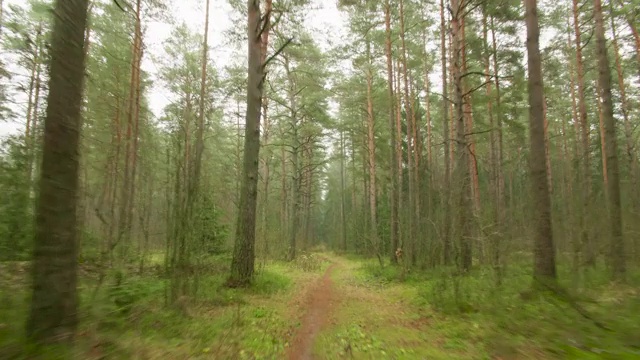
321	299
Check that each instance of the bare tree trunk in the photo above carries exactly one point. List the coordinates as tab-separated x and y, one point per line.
242	265
446	238
343	219
54	303
410	119
462	175
544	251
371	152
628	127
584	126
618	261
395	185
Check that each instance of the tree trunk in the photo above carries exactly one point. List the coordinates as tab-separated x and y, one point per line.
462	174
371	152
628	126
242	265
544	251
54	303
618	261
446	238
395	185
584	132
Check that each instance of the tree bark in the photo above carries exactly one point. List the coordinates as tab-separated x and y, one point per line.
446	238
393	161
618	261
54	302
544	251
584	132
462	174
242	265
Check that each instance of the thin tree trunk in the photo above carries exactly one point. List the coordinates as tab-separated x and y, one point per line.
395	185
343	220
446	238
603	149
373	201
584	127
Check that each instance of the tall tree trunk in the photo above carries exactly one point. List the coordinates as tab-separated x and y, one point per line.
468	113
446	238
296	173
618	261
395	185
264	42
343	219
462	175
242	265
603	137
628	127
399	156
500	154
54	302
544	251
371	152
195	179
126	198
410	119
584	127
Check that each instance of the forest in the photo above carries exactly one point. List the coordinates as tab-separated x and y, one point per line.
319	179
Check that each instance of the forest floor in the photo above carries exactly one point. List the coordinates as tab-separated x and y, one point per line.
325	306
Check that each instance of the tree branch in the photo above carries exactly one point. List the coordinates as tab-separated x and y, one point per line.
286	43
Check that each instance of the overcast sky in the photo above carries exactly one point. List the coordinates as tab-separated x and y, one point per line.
324	17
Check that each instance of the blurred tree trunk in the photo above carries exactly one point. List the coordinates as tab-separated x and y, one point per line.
53	316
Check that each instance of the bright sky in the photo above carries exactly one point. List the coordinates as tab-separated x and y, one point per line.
324	18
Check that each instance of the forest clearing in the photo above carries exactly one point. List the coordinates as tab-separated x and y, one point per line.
319	179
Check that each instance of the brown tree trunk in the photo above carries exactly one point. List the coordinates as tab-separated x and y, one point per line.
628	127
462	174
584	127
618	261
603	150
242	265
468	113
446	237
395	185
410	119
195	179
54	302
371	152
544	251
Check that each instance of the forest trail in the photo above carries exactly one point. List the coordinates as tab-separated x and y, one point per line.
345	316
321	300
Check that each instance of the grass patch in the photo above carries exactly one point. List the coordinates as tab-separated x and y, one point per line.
131	320
510	321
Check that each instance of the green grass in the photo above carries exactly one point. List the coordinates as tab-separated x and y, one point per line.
132	321
472	313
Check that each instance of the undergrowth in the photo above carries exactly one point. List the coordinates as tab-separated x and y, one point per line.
597	320
130	318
